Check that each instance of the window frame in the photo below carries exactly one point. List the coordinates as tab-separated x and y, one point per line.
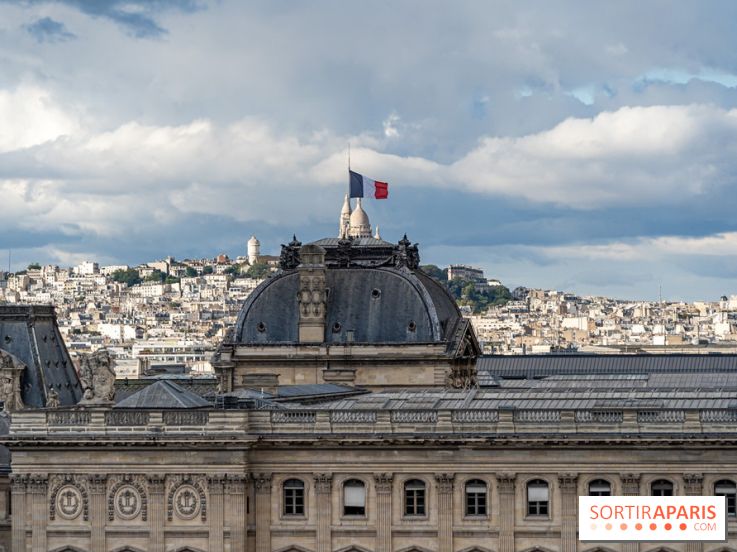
731	497
541	508
292	502
662	481
466	496
417	503
365	498
599	481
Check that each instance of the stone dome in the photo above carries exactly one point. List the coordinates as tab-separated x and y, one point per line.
359	226
253	241
363	305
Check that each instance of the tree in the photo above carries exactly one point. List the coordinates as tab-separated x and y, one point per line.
208	270
257	271
130	277
171	280
190	272
34	266
440	274
155	276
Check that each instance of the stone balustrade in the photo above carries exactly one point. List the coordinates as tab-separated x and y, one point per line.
504	421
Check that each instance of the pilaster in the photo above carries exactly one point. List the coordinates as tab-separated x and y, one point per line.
98	490
38	486
157	512
445	511
505	486
235	489
262	482
383	484
568	483
18	488
215	486
323	490
694	486
630	487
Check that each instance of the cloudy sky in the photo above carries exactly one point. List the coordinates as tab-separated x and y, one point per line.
584	146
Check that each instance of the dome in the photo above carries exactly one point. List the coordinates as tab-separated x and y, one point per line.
364	305
359	217
346	210
253	241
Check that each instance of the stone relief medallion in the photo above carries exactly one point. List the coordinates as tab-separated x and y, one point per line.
187	502
127	502
69	502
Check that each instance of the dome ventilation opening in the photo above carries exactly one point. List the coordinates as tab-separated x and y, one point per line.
412	326
337	327
375	293
261	327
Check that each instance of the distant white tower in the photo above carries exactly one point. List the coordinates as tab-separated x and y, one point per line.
360	227
254	250
345	218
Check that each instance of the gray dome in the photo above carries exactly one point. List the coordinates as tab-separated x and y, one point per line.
379	305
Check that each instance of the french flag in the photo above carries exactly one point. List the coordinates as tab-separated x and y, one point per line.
361	185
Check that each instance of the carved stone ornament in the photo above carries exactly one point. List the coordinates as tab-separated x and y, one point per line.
11	370
262	482
97	373
323	483
52	398
445	482
187	499
68	499
383	482
568	481
630	483
505	482
127	499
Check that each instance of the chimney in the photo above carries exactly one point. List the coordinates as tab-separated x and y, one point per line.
312	294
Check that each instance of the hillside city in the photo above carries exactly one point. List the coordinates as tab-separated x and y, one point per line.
167	316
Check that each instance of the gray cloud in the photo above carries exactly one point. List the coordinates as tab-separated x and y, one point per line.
49	30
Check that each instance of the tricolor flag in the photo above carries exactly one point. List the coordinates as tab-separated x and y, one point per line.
361	185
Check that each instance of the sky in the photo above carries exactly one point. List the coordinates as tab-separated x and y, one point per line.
583	146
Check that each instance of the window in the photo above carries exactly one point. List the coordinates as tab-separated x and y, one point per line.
537	498
354	498
661	487
414	498
727	488
476	498
600	487
294	497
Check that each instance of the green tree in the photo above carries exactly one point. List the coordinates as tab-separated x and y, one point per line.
257	271
34	266
155	276
171	280
130	277
208	270
190	272
440	274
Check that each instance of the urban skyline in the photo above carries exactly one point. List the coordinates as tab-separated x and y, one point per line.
575	147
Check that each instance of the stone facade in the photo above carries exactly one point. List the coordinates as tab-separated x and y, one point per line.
157	483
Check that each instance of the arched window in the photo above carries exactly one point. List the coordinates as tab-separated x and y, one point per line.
414	498
727	488
354	498
294	497
538	498
476	498
600	487
661	487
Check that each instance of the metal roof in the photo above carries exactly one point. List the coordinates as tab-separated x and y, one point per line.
163	394
544	365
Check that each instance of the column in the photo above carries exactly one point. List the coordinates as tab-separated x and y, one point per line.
262	482
445	511
39	487
235	490
18	504
568	483
630	487
98	515
156	512
323	490
383	484
694	486
505	486
215	485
